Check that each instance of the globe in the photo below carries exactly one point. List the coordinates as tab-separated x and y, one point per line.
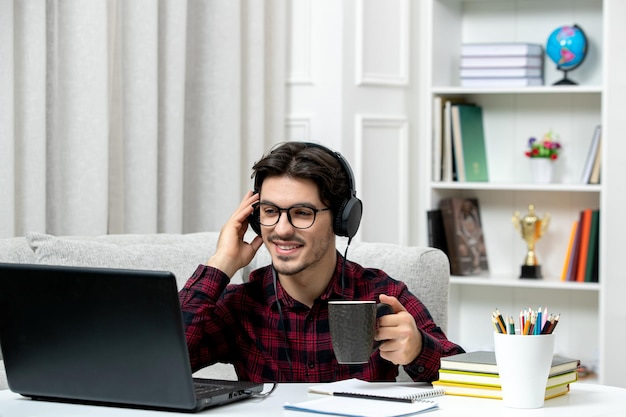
567	47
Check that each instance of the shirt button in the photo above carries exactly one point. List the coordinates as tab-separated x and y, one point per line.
420	368
311	365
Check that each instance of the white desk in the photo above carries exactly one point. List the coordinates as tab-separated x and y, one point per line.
584	400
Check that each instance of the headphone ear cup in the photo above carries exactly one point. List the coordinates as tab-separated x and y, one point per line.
253	221
348	218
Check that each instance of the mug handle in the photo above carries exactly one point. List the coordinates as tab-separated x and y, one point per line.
382	309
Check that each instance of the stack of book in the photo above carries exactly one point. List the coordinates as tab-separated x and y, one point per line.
511	64
475	374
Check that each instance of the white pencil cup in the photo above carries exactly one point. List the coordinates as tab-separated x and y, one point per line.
524	363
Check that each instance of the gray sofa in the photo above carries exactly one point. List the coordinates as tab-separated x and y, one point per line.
425	270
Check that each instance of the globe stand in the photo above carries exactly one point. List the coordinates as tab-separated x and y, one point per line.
565	80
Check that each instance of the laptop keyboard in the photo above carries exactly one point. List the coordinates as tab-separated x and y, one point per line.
205	390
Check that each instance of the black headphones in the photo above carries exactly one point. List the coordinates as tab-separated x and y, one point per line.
348	217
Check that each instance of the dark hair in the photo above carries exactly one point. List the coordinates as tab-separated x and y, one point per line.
302	160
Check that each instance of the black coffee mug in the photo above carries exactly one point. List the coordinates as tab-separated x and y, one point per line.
352	328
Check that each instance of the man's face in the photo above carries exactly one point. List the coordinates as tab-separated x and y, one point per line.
296	250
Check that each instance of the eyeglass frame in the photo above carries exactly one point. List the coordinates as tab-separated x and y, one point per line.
257	210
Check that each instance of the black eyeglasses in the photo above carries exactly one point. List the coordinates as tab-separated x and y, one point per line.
299	216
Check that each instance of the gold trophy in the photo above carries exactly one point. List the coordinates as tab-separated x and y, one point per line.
532	229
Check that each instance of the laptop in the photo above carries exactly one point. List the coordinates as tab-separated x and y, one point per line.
102	336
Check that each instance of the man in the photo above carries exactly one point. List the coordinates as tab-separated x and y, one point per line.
275	327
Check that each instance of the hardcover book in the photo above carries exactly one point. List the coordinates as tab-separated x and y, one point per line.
468	390
464	234
502	62
501	72
485	362
502	82
591	155
493	380
469	140
501	49
436	232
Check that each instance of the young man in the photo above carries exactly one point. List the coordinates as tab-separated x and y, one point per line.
275	327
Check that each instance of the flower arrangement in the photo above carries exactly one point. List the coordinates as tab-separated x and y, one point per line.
548	147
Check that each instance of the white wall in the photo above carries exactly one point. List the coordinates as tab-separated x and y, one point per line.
352	81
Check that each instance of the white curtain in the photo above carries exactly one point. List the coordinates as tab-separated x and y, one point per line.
135	116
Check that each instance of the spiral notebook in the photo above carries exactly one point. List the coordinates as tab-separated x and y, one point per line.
387	390
357	398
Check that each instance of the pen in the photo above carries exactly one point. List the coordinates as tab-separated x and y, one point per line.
373	397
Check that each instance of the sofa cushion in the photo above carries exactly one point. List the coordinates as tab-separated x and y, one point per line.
178	253
16	250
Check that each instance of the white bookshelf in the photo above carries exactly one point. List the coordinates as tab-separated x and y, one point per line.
511	116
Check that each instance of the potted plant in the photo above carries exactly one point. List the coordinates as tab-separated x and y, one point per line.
542	154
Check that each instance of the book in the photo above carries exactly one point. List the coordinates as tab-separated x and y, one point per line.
436	232
493	380
485	362
502	82
467	252
356	407
469	390
447	157
437	140
501	72
591	155
502	62
388	390
570	247
468	132
585	229
595	171
502	49
592	251
457	144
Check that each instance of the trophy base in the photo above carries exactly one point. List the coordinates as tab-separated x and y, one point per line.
531	272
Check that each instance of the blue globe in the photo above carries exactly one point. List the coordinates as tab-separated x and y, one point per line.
567	47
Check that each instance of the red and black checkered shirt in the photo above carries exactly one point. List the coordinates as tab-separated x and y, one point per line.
241	324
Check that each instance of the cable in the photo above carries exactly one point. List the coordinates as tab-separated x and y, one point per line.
282	322
343	267
263	394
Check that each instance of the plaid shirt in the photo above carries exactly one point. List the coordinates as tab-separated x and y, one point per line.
241	324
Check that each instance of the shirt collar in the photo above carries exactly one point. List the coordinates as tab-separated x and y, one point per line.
333	290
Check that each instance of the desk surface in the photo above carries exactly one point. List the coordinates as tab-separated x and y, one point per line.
583	400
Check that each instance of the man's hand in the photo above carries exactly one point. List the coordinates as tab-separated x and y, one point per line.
402	340
232	252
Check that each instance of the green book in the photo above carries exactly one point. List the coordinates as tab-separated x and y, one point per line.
472	138
592	251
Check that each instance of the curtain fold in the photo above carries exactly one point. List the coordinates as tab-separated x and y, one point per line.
135	116
8	201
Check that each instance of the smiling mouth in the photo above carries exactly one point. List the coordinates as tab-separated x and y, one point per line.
288	247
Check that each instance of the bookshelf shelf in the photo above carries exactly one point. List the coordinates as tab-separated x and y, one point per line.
558	188
453	91
529	283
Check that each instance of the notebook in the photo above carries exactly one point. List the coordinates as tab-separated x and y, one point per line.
101	336
357	398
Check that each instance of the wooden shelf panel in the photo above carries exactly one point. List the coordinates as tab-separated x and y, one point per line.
497	186
525	283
